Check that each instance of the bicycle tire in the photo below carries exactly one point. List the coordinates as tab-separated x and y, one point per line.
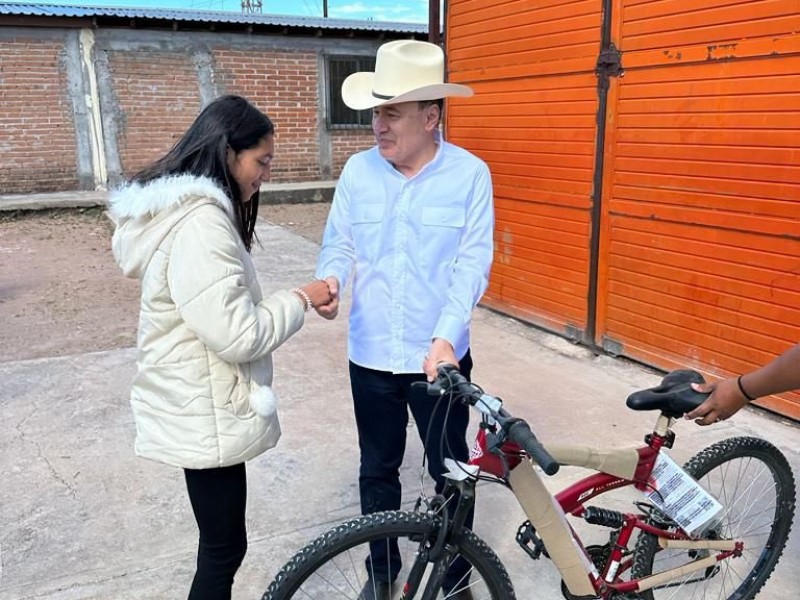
318	570
744	466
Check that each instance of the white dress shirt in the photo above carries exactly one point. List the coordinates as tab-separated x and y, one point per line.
419	251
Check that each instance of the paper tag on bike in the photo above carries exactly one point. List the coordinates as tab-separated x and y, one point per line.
678	495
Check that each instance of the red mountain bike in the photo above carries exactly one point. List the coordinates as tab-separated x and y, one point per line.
715	528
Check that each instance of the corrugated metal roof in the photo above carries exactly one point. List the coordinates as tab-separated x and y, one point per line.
207	16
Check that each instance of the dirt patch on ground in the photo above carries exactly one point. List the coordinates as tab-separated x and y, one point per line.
61	292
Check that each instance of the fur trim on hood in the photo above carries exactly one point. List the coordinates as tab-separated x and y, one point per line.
136	200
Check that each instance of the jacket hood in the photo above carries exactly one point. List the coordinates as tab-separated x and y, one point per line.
145	214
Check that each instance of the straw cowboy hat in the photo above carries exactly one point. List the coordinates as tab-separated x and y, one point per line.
405	71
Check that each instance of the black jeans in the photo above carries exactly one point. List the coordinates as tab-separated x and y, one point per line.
381	402
219	498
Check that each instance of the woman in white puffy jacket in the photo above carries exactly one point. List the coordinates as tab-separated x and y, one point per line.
201	397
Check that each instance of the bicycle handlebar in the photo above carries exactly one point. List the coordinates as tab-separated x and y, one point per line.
450	380
520	432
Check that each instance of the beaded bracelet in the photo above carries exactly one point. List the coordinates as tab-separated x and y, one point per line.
741	389
305	298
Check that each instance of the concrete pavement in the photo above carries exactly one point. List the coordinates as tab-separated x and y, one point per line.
81	517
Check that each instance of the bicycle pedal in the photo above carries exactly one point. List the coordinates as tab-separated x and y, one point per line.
530	541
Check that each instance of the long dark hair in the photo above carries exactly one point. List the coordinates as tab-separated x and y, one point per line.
227	121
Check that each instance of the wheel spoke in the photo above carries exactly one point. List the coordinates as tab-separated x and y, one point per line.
755	485
356	552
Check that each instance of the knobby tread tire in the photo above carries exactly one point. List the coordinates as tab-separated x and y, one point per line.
391	524
701	464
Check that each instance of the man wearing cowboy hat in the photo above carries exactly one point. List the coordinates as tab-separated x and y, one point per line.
411	222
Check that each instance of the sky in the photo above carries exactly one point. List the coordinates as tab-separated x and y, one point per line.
412	11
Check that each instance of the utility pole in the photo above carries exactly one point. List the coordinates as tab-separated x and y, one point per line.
433	22
325	9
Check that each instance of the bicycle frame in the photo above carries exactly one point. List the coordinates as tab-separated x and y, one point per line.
681	524
617	468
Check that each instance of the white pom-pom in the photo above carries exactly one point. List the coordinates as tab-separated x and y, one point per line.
263	401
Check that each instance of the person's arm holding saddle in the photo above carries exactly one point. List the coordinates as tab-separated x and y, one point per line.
729	395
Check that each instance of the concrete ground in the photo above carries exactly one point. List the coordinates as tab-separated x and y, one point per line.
81	517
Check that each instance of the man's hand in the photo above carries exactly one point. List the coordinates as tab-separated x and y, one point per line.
441	351
331	309
725	400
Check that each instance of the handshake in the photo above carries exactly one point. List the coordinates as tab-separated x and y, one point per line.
322	295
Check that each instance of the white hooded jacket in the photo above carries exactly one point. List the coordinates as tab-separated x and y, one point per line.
201	397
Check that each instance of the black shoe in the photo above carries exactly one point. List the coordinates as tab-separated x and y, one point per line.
376	590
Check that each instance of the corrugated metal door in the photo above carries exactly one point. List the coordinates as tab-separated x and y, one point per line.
657	214
533	120
700	235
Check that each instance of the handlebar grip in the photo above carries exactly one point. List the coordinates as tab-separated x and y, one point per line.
521	433
424	385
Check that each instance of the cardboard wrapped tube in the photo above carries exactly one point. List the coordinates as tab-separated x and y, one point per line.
621	462
667	576
724	545
546	515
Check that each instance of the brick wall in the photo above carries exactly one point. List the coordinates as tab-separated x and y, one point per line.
145	88
37	134
283	84
346	142
158	98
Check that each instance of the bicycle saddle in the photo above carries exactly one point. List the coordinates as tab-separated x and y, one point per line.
674	396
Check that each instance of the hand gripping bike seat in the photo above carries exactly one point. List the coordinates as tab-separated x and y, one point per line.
674	396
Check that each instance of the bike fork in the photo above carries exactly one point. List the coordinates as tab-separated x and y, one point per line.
443	549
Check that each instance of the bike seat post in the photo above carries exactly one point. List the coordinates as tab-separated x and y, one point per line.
663	426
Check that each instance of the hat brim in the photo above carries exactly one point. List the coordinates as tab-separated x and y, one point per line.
357	92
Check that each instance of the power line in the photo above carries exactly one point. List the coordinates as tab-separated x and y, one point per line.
246	6
311	11
207	4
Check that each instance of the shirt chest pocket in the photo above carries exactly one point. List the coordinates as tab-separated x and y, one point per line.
367	220
440	233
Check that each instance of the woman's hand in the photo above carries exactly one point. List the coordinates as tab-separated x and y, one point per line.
317	293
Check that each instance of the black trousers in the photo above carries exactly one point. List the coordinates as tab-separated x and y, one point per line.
381	402
219	498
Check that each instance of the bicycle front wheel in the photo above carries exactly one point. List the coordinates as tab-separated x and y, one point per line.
754	483
334	565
